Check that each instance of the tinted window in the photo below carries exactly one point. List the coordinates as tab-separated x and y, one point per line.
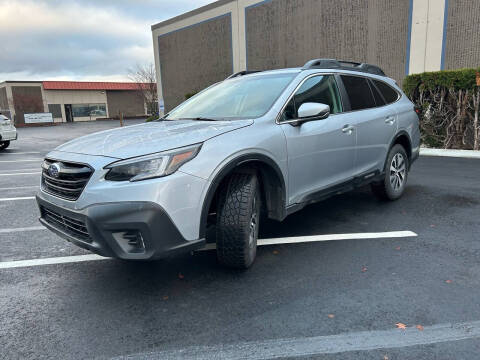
358	92
376	95
388	93
318	89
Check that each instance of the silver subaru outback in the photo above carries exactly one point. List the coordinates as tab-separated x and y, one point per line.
257	143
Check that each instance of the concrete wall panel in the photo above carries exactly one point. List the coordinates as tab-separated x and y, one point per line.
127	102
287	33
462	46
3	99
193	58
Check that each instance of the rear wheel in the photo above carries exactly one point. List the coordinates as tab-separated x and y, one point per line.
396	174
4	144
238	217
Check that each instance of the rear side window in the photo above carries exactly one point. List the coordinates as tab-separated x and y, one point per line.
358	92
389	94
376	94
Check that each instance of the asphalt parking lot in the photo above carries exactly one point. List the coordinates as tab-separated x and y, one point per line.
339	299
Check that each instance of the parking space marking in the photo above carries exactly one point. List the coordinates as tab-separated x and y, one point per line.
330	344
19	187
25	160
51	261
18	198
329	237
21	153
32	228
287	240
26	173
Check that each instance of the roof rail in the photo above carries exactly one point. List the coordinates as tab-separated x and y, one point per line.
241	73
343	65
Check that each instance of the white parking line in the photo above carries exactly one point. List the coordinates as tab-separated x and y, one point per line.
330	344
288	240
18	198
19	187
329	237
32	228
16	174
51	261
25	160
21	153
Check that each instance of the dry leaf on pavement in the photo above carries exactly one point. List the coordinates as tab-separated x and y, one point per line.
401	325
364	269
419	327
331	316
180	276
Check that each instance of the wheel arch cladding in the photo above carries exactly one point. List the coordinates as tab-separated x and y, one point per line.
271	180
403	139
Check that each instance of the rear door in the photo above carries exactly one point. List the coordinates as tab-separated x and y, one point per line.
376	123
321	153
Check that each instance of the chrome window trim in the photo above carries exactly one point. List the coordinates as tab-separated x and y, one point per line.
278	122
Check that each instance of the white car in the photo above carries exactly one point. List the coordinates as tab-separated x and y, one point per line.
7	132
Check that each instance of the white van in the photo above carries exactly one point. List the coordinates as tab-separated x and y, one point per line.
7	132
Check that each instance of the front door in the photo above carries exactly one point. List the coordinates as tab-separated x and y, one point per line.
321	153
68	113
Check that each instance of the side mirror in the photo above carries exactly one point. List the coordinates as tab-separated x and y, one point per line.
313	111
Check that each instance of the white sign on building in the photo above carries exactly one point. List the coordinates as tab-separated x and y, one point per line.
38	118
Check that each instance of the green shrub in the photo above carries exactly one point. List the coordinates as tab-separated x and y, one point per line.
450	107
151	118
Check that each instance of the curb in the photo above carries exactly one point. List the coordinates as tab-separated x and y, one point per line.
470	154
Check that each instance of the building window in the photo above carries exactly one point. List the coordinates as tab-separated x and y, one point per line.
89	110
56	110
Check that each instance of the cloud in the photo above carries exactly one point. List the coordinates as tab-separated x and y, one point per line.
79	40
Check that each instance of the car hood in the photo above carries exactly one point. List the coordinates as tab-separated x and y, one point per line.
137	140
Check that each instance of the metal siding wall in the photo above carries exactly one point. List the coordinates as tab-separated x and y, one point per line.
26	99
462	48
194	57
287	33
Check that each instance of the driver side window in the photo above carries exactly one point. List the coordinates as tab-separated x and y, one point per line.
318	89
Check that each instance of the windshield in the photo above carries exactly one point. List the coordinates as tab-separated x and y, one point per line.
243	98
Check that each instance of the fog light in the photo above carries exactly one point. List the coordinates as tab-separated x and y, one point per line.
131	241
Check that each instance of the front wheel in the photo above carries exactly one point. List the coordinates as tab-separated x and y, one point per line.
238	217
4	144
396	173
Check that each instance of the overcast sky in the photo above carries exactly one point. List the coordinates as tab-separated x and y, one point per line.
97	40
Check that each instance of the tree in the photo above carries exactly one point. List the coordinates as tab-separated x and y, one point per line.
146	79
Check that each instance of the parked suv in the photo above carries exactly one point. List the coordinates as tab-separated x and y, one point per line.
267	142
8	132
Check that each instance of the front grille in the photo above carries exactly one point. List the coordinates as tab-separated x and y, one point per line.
70	180
74	227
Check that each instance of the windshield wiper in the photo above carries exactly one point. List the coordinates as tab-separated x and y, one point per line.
198	118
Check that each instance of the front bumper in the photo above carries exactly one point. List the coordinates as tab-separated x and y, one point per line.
106	228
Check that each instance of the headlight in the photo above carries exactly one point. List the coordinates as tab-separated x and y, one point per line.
151	166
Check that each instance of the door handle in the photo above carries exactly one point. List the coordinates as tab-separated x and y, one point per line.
348	129
390	120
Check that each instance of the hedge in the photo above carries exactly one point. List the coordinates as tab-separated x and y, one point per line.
450	107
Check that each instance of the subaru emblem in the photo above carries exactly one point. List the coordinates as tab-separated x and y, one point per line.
54	170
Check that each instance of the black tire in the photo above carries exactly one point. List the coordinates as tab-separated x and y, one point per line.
4	144
394	183
238	217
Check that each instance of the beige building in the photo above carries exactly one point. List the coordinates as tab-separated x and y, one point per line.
206	45
29	102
